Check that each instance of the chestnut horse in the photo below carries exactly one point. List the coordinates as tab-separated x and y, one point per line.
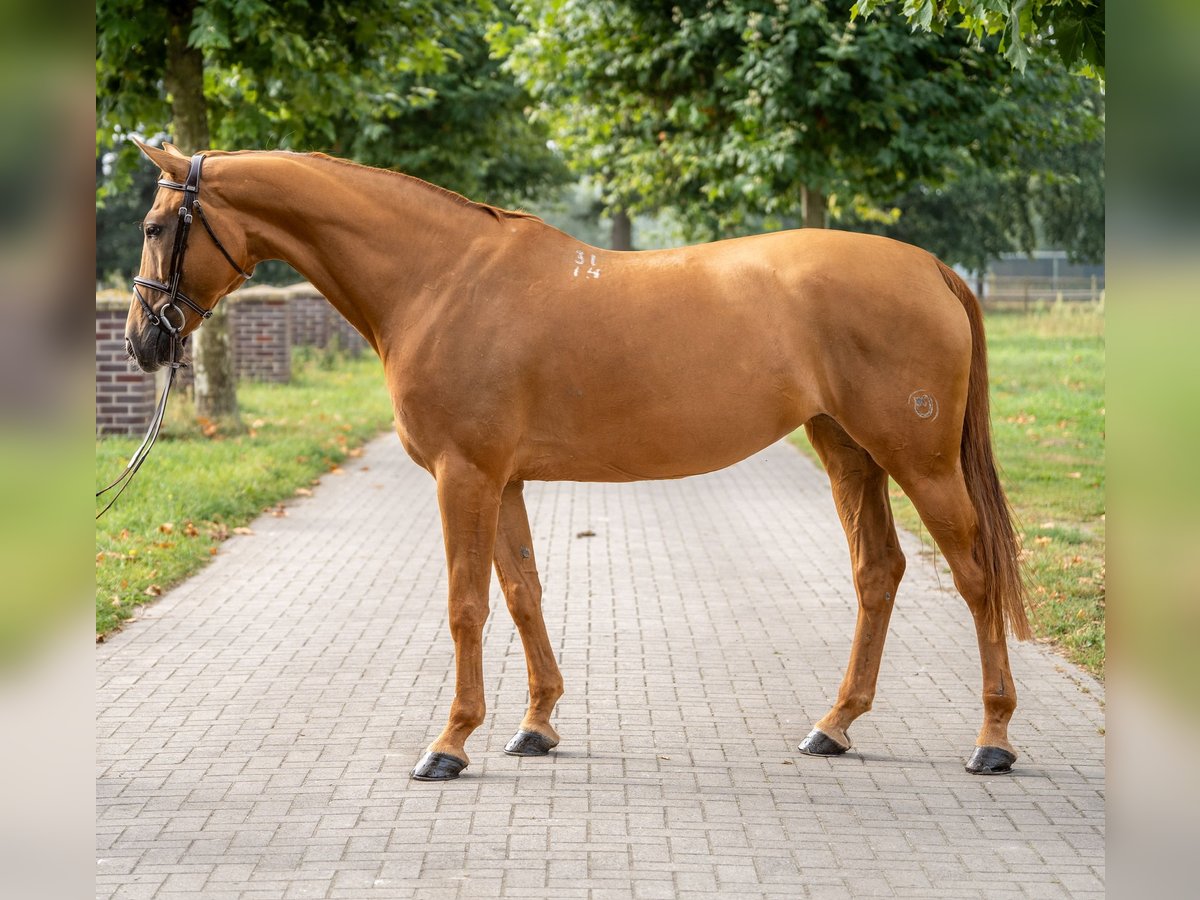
514	352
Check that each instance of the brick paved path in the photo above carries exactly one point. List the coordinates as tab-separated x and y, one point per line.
257	726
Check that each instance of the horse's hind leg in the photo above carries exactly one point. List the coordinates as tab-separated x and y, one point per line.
947	511
860	492
517	571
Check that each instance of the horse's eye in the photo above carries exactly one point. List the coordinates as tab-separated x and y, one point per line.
152	229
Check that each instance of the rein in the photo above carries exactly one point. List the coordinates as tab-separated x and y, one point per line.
161	319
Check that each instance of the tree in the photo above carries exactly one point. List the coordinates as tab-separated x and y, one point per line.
733	111
1073	28
1042	197
275	74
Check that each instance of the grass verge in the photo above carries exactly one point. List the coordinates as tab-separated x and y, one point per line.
204	481
1048	419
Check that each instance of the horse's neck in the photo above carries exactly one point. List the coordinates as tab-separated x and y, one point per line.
367	240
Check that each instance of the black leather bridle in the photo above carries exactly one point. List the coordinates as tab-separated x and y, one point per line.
191	206
162	318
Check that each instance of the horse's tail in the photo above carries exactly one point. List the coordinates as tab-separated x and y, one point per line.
998	548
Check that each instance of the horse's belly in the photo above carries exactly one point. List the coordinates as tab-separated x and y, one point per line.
650	442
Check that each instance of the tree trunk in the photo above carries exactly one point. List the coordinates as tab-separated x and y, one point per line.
212	345
814	208
622	231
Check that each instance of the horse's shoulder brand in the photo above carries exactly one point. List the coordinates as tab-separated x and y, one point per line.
584	265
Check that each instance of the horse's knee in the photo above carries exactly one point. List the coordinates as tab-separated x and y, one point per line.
467	619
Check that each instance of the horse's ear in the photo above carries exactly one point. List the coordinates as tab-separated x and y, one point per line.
173	150
173	166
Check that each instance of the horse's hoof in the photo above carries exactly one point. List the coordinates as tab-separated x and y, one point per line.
529	743
437	767
818	743
991	761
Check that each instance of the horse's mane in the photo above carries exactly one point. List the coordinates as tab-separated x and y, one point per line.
495	211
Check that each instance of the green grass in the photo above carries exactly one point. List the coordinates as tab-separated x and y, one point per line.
1048	417
203	481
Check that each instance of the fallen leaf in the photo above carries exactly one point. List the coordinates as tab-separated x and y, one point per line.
190	530
356	452
166	527
1041	539
788	762
153	591
99	638
1074	474
583	534
242	530
337	470
212	551
303	492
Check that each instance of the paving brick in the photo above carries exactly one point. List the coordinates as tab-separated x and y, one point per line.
256	726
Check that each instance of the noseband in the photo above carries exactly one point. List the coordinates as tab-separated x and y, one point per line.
162	319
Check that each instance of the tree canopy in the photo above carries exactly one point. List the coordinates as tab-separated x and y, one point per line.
1074	29
397	83
733	110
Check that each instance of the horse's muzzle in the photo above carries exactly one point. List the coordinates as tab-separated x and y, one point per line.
147	350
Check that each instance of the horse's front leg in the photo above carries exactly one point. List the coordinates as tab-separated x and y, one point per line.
517	570
470	503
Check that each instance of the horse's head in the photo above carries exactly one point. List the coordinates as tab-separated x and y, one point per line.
183	274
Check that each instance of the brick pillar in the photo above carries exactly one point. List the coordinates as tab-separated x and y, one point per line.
310	316
315	323
262	333
124	393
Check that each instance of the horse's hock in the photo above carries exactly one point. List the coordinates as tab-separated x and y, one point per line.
267	322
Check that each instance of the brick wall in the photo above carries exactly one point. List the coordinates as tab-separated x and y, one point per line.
266	322
262	333
310	319
315	322
124	393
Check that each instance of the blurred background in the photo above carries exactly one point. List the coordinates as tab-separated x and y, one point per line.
628	125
